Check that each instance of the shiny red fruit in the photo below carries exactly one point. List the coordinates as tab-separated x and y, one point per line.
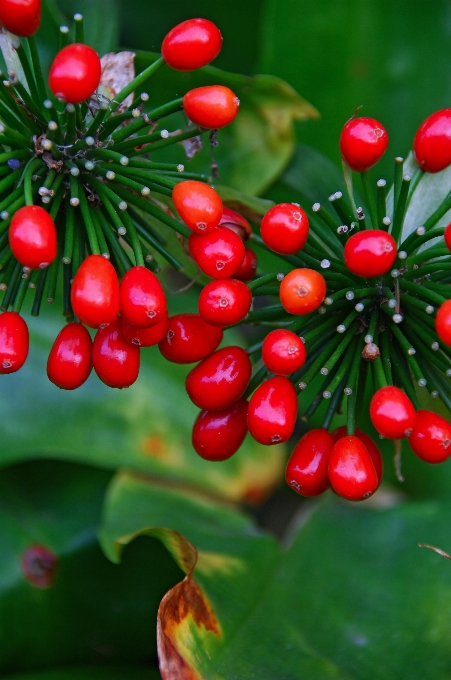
192	44
70	363
212	106
432	143
189	338
302	291
217	435
448	236
285	228
272	411
283	352
363	142
115	361
219	380
75	73
248	267
351	470
95	292
198	204
218	254
307	468
236	223
145	337
370	253
443	322
32	237
143	302
14	342
431	437
371	447
223	303
392	413
21	17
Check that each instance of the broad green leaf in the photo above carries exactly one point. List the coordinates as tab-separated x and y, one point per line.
71	606
350	594
90	673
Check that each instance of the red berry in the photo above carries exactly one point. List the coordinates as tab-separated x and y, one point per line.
217	435
75	73
272	411
32	237
307	468
432	143
143	302
392	413
448	236
371	447
443	322
198	204
223	303
189	338
248	267
95	292
145	337
192	44
212	106
431	437
115	361
69	363
219	380
14	342
370	253
351	470
236	223
302	291
21	17
219	253
363	142
283	352
285	228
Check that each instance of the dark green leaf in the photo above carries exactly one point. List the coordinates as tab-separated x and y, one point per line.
90	673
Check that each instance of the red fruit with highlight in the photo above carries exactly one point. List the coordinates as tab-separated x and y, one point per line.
145	337
448	236
443	322
143	302
32	237
285	228
223	303
191	44
14	342
212	106
248	267
219	380
431	437
189	338
302	291
283	352
217	435
21	17
392	413
370	253
351	470
363	142
218	254
198	204
272	411
307	468
95	292
371	447
75	73
115	361
70	363
432	143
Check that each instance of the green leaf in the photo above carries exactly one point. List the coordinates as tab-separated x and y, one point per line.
71	606
90	673
337	601
254	149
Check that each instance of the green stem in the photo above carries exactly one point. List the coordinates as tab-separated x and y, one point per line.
381	194
369	198
90	230
30	169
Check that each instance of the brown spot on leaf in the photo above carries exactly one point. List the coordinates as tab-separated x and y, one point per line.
155	446
39	566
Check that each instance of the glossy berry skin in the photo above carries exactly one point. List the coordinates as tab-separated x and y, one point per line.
443	322
283	352
189	338
14	342
351	470
212	106
217	435
219	380
248	267
198	204
285	228
21	17
70	363
223	303
75	73
392	413
448	236
363	142
115	361
218	254
192	44
236	223
143	302
302	291
307	468
431	437
95	292
272	411
32	237
145	337
371	447
432	143
370	253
